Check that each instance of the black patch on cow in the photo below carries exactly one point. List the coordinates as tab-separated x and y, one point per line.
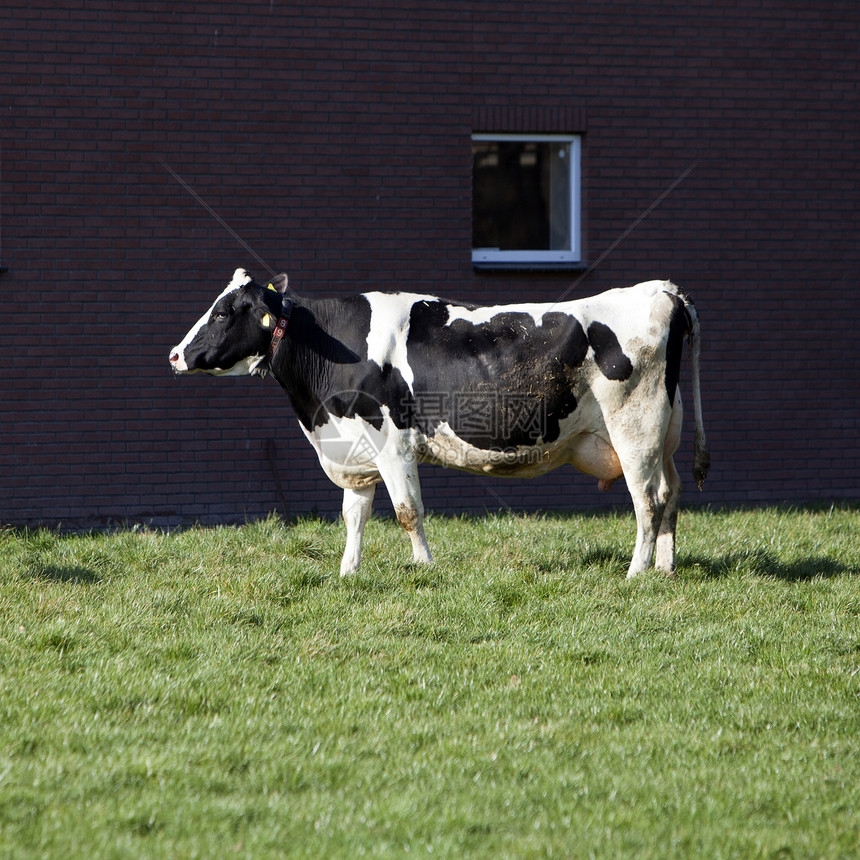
608	355
500	384
679	325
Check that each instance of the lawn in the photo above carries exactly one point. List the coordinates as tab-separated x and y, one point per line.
224	693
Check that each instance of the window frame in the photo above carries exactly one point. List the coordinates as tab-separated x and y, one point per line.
530	258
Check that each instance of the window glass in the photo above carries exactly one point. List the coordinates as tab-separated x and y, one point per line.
525	198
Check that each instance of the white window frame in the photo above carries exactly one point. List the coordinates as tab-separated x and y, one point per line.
494	256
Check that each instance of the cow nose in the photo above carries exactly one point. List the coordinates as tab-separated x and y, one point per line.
174	357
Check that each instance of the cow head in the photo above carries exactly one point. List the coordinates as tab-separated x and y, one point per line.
234	335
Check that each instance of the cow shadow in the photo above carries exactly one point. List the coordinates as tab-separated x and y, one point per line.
762	563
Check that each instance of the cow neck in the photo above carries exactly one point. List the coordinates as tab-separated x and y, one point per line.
280	329
304	364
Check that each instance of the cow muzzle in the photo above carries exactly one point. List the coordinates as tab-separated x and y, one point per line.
177	361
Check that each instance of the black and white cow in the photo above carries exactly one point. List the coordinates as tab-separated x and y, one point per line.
383	381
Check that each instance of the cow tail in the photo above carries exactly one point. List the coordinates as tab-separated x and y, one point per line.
701	454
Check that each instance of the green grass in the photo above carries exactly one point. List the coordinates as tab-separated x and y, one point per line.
223	693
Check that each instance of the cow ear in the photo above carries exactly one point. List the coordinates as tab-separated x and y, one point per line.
278	284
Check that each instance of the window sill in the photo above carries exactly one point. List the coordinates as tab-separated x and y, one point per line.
529	266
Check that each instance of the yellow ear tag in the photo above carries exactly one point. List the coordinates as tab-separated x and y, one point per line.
267	321
272	288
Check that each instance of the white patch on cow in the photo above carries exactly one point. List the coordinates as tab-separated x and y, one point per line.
446	448
627	311
240	278
627	314
589	451
389	329
349	442
479	316
355	454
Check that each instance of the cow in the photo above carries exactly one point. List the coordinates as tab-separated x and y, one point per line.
381	382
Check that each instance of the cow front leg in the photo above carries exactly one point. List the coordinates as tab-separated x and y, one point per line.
401	481
411	517
357	505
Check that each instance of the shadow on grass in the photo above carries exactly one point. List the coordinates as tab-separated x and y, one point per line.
602	555
765	564
74	575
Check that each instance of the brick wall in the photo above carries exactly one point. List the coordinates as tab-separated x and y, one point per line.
334	142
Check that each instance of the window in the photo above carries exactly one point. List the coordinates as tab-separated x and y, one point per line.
525	200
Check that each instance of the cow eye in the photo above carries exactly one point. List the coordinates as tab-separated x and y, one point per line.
220	316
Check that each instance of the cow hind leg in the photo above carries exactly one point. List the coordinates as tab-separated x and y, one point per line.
649	514
655	501
665	557
655	488
651	490
357	505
